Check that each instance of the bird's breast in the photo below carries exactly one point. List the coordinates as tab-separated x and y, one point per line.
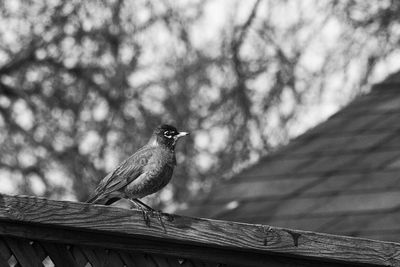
156	174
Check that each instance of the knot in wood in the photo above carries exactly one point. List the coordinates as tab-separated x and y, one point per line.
267	234
295	237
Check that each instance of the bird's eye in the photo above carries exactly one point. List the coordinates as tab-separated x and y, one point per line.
168	134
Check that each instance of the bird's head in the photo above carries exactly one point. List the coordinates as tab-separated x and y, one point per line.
167	135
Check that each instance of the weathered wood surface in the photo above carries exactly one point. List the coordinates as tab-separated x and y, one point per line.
28	253
184	251
182	236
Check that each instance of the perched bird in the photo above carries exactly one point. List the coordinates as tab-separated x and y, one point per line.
143	173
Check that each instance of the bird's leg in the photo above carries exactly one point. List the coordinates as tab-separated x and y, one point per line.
144	212
144	205
161	221
159	213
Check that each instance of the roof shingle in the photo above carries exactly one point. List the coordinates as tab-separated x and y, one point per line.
342	177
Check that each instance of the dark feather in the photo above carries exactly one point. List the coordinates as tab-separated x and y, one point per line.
144	173
125	173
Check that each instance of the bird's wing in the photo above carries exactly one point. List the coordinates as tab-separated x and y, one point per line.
128	171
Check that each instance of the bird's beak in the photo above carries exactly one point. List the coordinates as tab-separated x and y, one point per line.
181	134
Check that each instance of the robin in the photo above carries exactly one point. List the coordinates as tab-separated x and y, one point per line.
143	173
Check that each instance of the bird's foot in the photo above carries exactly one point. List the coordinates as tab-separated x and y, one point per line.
159	215
145	211
146	217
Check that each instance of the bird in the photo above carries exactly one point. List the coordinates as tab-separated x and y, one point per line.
145	172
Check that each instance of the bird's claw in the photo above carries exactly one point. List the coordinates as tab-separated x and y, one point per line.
159	215
153	213
146	218
146	210
145	214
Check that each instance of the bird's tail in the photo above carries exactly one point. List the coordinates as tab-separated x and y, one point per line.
102	200
93	199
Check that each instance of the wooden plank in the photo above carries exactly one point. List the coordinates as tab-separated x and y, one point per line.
151	262
102	256
173	261
189	263
193	236
114	259
91	256
162	247
127	259
39	250
23	252
5	252
59	254
79	257
140	259
209	264
3	261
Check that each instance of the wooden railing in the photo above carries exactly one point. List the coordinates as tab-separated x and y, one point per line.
40	232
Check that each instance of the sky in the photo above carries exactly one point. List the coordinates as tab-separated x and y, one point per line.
204	33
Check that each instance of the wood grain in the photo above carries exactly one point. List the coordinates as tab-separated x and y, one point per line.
77	253
59	254
23	252
5	252
192	235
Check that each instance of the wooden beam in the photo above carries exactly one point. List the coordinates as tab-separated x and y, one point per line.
160	247
183	232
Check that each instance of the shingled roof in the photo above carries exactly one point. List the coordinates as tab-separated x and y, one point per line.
341	177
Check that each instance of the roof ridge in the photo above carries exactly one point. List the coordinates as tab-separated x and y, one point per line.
388	83
392	86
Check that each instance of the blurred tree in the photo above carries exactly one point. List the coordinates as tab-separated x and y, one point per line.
82	84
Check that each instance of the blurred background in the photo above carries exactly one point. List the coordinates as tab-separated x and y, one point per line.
83	83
